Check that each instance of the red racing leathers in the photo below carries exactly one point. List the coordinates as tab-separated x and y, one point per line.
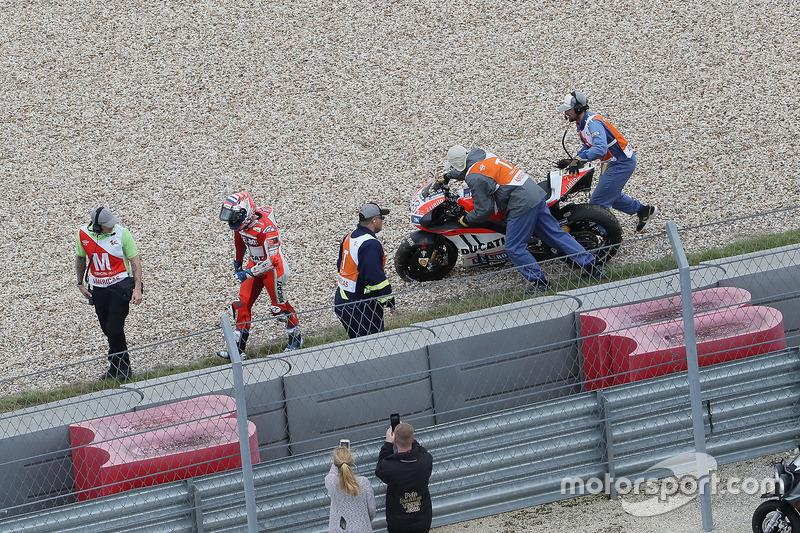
266	268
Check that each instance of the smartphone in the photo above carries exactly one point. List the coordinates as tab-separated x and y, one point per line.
394	419
345	443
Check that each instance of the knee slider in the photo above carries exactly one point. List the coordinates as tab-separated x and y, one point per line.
280	314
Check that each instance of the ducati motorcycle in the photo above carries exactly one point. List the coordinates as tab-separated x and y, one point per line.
779	514
432	251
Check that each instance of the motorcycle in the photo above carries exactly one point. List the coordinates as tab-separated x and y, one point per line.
780	513
431	252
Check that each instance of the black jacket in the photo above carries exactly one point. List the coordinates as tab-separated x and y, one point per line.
408	501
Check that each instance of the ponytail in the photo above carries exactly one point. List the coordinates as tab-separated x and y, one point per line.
347	478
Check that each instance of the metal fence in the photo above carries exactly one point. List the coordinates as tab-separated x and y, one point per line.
594	380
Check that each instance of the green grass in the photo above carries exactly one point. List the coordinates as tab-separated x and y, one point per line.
449	308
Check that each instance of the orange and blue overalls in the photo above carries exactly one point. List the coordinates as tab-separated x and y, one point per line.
601	140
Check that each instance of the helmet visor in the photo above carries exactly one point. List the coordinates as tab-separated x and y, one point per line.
233	217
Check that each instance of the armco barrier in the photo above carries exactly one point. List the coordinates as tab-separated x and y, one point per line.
738	397
619	431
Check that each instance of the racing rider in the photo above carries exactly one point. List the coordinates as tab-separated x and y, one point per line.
256	232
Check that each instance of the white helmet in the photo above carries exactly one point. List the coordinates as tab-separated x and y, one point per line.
457	158
238	210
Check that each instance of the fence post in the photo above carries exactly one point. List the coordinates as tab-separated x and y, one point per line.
693	375
241	420
608	433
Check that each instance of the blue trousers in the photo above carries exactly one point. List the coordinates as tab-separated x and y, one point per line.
539	221
359	317
608	192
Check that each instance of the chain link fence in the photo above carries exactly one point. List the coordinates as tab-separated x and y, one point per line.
587	383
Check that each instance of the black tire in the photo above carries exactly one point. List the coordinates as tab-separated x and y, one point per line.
596	229
787	522
425	263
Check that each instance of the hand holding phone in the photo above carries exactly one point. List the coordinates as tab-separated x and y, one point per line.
345	443
394	419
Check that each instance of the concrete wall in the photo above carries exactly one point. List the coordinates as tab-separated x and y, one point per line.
773	279
511	355
342	389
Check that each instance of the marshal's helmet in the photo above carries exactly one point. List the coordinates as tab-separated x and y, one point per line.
238	210
456	158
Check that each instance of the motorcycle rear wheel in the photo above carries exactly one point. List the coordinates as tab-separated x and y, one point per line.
596	229
787	523
425	263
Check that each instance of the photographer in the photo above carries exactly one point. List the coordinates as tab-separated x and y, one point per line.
406	473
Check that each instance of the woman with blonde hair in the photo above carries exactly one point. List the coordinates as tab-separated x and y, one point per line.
352	497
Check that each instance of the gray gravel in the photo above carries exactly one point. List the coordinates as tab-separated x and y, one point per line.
158	111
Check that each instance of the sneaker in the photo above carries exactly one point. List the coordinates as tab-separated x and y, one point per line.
295	342
645	214
540	286
225	355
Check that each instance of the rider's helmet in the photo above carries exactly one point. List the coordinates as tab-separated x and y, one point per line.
575	100
457	158
238	210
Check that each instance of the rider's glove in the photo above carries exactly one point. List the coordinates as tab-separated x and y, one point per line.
237	266
463	222
244	274
563	163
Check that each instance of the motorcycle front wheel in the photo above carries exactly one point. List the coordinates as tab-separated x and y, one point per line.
427	261
769	518
596	229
